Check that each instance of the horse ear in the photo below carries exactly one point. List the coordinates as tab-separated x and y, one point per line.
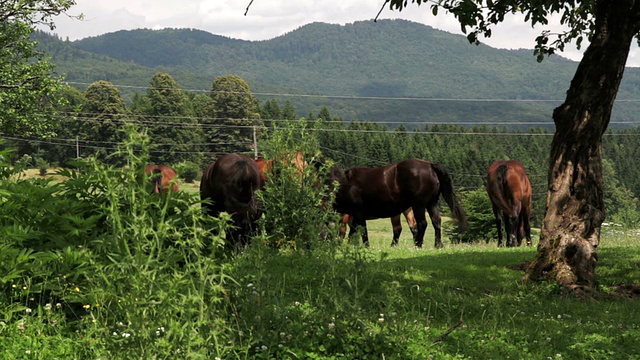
348	174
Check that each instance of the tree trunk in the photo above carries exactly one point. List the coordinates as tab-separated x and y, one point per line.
575	209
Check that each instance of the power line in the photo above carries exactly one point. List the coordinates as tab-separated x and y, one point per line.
354	97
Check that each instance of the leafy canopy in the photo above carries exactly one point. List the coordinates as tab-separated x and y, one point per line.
27	89
477	17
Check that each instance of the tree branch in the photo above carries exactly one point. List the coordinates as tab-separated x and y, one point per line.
248	6
446	333
379	12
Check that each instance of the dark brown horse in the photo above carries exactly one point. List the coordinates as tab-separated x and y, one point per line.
386	191
229	185
396	225
510	192
162	177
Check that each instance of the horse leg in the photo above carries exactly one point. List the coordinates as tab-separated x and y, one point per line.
421	225
397	229
511	230
436	222
344	220
411	221
527	225
498	216
360	223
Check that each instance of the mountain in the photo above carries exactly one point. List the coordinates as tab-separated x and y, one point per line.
390	70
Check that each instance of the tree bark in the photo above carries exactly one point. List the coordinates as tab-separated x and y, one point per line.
570	234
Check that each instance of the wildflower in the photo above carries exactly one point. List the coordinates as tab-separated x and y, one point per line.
381	320
14	286
125	335
28	352
86	306
76	289
332	325
559	316
250	285
47	307
115	333
264	347
21	325
58	305
28	310
254	293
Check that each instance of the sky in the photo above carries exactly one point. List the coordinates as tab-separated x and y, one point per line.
267	19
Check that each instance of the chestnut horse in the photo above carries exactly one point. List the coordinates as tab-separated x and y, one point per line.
229	185
386	191
295	159
396	225
162	177
509	190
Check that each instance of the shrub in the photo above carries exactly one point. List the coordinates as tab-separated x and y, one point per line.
480	217
188	171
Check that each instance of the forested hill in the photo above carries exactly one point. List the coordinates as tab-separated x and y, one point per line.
346	65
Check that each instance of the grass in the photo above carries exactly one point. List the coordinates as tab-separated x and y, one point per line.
338	301
463	301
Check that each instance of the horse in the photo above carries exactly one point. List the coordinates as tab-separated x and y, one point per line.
396	225
229	185
386	191
295	159
509	190
162	177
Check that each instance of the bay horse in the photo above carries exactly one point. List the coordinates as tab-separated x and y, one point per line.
509	190
386	191
396	225
229	185
162	177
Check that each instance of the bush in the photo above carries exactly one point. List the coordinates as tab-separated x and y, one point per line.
188	171
480	217
42	165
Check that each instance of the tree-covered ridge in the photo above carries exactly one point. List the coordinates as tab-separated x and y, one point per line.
390	58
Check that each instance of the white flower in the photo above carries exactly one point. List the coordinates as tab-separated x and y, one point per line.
28	310
125	335
47	306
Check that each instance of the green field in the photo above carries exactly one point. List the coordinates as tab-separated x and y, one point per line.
93	266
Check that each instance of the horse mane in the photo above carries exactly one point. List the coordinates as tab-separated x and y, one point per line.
446	190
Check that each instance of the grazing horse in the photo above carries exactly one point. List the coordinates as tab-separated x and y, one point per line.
295	159
509	190
386	191
162	177
395	224
229	184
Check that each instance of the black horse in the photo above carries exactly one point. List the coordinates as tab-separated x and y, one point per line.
229	185
387	191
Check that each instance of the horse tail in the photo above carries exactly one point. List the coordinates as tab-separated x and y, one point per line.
446	190
501	179
156	178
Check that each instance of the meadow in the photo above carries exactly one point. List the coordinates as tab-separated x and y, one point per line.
95	267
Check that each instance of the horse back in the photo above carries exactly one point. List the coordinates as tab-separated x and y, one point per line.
167	175
230	183
508	185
